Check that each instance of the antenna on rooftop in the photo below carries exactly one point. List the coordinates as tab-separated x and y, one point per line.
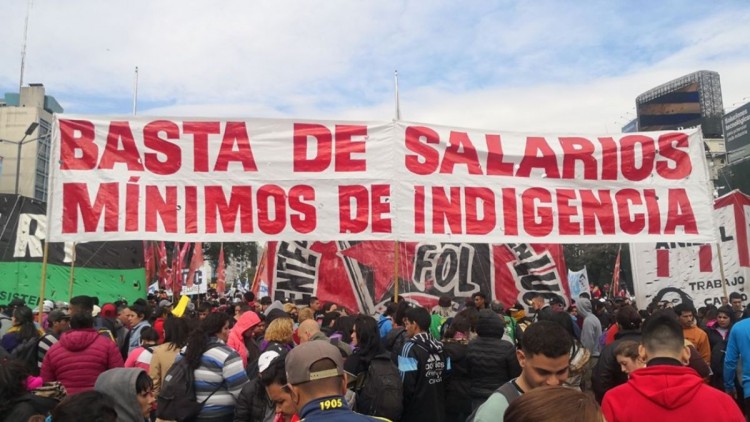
23	50
135	92
398	105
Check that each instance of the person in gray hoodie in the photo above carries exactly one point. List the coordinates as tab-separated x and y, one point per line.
590	334
132	391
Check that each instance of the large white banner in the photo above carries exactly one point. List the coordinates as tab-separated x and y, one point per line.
202	179
673	272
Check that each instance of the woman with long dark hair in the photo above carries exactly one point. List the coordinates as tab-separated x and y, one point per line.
718	334
219	374
23	329
176	331
365	339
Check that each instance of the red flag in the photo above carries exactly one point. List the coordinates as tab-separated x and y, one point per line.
616	275
148	261
163	265
259	272
195	263
220	276
178	262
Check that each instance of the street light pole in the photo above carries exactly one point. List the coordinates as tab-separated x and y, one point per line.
32	127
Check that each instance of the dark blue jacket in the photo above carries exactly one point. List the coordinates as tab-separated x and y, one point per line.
332	409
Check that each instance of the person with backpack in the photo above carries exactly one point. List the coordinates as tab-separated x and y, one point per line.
544	357
22	330
458	381
373	377
176	332
423	365
385	321
218	375
398	336
22	339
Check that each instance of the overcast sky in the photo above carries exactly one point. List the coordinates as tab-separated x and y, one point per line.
542	66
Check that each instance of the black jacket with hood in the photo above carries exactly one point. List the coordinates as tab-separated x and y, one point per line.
423	366
492	360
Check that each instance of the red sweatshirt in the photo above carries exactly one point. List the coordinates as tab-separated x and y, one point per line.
667	391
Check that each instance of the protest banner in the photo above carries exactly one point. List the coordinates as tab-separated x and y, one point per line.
108	270
673	272
360	275
202	179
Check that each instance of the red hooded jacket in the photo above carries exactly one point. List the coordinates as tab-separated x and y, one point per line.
248	320
78	359
668	392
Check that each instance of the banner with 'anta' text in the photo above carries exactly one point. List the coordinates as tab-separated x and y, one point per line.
202	179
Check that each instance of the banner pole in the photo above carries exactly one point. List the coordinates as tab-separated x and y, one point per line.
72	273
44	281
396	258
721	270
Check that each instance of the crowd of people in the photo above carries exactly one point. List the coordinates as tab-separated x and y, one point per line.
238	359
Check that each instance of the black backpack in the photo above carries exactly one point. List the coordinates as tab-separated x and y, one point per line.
28	353
176	400
380	391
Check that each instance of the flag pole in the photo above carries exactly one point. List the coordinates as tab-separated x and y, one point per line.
72	273
721	270
396	259
44	280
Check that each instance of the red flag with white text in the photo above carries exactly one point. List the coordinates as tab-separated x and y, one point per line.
195	263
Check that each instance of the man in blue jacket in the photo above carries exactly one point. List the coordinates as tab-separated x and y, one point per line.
738	347
315	373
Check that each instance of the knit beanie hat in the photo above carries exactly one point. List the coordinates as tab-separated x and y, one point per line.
490	324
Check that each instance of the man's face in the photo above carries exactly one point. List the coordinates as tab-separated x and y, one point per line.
411	327
61	326
479	302
202	315
737	304
315	305
540	370
282	400
686	319
133	317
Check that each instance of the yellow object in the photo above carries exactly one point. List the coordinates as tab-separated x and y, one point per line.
179	310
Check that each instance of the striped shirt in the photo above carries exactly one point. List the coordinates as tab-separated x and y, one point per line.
220	370
44	344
